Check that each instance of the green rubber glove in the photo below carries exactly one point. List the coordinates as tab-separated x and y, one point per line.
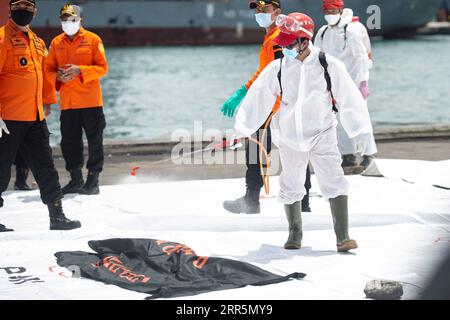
229	107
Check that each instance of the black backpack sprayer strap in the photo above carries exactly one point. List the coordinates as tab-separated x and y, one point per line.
345	35
324	63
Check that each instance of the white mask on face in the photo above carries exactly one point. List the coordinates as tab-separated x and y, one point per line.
332	19
264	19
71	27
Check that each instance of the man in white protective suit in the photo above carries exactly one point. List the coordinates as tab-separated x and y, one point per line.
305	125
347	39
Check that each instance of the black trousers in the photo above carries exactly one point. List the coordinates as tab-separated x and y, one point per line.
73	121
31	140
21	162
252	150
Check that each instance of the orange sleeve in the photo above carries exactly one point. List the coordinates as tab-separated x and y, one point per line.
253	79
269	52
2	62
262	54
100	67
50	73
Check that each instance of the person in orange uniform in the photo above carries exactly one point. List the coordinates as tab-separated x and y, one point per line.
266	13
22	120
75	64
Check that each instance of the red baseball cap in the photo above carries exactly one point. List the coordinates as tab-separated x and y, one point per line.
333	4
285	39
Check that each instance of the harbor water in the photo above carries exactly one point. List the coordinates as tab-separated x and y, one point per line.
151	91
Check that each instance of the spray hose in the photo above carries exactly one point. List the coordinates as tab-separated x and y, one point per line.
265	173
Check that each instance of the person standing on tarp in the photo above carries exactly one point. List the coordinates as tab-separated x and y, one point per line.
22	119
266	13
75	64
346	39
305	125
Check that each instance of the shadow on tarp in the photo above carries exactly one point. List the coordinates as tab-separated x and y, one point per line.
438	287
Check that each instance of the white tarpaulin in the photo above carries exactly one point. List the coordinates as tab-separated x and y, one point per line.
435	173
403	231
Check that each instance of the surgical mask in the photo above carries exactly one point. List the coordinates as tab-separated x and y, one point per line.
332	19
71	27
264	19
291	54
22	17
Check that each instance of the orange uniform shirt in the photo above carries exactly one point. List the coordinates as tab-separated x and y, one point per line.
21	74
269	52
85	51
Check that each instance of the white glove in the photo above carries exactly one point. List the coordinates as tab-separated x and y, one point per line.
3	127
362	143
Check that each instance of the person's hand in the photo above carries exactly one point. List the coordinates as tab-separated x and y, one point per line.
47	109
364	89
3	127
59	75
70	72
229	107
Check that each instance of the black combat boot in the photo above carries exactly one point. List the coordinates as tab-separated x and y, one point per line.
248	204
4	229
91	185
76	182
58	220
21	180
348	160
367	160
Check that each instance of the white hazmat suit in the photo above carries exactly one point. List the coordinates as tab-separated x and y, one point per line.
351	45
304	128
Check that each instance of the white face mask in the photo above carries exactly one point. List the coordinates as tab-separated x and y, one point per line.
70	27
264	19
332	19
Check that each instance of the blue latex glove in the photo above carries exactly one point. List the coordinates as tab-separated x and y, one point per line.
229	107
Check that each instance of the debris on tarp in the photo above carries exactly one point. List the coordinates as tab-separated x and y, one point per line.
383	290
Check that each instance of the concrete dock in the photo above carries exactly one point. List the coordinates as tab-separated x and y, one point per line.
431	142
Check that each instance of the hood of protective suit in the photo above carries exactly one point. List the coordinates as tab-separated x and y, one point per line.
346	17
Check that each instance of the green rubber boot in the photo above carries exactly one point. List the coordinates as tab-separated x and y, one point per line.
294	217
339	210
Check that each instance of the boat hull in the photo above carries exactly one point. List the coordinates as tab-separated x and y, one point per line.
205	22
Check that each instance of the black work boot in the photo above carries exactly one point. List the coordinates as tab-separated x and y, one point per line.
339	210
76	182
294	218
248	204
58	220
21	180
348	160
91	186
4	229
367	160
